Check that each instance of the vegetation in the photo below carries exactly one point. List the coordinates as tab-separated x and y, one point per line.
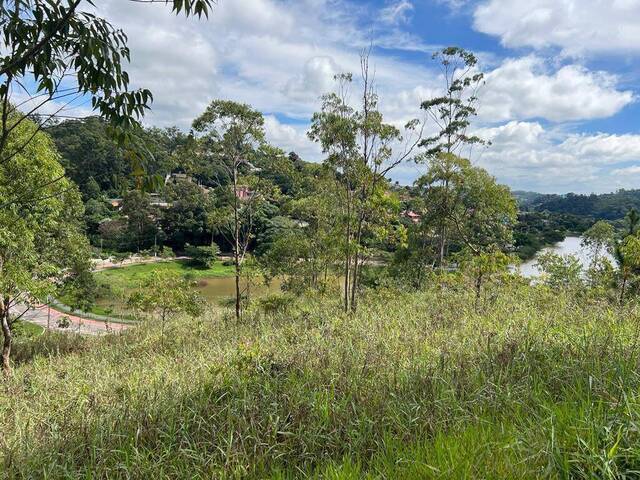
42	247
606	206
431	359
538	383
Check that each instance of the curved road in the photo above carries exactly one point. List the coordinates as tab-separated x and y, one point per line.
43	316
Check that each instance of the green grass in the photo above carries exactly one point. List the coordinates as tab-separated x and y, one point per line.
129	277
27	329
116	283
538	385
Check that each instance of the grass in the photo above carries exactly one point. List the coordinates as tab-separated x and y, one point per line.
27	330
116	283
129	277
538	385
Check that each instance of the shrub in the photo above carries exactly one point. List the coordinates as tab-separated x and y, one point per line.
204	256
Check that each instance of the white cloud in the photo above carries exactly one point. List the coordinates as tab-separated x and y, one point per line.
291	138
396	13
623	172
316	78
524	88
526	155
575	26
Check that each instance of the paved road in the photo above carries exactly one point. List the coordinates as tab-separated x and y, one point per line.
44	316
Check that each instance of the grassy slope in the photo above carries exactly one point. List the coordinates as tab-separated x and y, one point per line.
413	386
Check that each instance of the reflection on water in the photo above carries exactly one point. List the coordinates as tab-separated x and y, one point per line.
569	246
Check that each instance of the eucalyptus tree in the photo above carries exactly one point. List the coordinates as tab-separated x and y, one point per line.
598	239
451	113
362	149
228	134
42	244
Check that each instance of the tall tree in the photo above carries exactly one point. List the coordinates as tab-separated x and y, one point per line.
598	239
362	150
451	114
228	135
42	244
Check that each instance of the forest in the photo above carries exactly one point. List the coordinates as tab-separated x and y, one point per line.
367	328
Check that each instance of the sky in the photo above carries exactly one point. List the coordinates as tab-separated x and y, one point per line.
559	105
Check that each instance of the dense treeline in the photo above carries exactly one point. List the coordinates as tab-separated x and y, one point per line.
606	206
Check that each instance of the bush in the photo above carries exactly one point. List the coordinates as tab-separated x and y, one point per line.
64	322
204	256
275	303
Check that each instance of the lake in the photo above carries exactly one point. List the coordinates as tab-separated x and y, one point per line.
569	246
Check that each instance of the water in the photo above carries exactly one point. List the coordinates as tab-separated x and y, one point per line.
213	289
569	246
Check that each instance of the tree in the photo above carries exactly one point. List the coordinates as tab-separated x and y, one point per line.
142	226
42	245
451	113
467	203
205	256
185	219
229	135
482	265
53	42
166	294
560	271
441	187
627	255
598	239
360	149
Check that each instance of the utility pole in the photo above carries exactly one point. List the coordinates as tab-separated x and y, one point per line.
48	312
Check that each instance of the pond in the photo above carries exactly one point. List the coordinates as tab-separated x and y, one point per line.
214	289
569	246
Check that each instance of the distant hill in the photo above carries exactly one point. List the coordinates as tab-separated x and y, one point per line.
607	206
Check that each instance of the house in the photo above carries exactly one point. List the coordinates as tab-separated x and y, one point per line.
243	192
411	215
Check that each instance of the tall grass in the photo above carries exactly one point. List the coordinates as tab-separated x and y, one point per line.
539	384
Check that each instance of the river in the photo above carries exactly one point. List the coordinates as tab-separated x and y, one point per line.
569	246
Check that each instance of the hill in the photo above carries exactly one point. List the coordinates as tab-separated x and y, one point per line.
606	206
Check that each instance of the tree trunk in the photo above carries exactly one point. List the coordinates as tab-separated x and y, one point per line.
443	242
624	285
356	265
7	336
236	235
347	263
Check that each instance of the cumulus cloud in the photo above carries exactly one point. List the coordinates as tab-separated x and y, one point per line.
291	138
316	78
576	27
528	156
524	88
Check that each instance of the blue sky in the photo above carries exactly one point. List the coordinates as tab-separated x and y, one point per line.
559	104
